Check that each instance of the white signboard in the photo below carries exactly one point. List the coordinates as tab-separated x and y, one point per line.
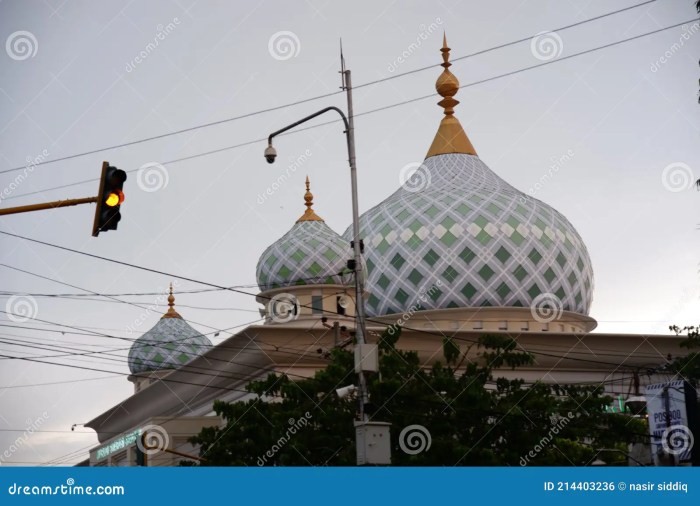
668	421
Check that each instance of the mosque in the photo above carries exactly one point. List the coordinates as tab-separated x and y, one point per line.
456	251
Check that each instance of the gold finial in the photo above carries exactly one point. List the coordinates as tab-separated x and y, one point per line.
450	137
171	313
309	214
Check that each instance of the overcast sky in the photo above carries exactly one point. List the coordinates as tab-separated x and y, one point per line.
610	139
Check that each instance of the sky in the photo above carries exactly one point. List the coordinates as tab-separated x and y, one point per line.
609	138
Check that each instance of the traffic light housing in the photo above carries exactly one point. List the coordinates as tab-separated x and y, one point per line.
109	199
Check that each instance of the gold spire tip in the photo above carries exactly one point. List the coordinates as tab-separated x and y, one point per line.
309	214
450	137
171	313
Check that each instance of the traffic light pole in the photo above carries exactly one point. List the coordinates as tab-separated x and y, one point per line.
108	201
47	205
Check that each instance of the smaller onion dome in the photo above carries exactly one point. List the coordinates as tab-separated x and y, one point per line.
311	253
170	344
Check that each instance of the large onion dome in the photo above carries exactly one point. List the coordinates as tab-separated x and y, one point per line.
461	236
170	344
311	253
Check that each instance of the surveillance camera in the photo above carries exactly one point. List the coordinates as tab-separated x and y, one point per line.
345	391
270	154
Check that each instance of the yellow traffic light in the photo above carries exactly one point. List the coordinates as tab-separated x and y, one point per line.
109	199
114	199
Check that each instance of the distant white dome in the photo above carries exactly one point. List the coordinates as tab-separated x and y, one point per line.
170	344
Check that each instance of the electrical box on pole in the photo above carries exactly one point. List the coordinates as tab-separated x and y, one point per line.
373	443
366	358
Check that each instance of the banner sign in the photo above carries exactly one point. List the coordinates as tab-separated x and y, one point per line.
668	406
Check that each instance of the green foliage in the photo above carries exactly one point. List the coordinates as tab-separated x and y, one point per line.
688	366
473	417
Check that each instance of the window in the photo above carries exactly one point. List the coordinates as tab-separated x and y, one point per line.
316	304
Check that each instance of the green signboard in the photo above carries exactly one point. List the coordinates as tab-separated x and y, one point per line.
118	444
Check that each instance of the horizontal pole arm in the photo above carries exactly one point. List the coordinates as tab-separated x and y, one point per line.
310	117
47	205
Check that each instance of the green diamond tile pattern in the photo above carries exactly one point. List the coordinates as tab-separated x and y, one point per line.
170	344
467	222
317	255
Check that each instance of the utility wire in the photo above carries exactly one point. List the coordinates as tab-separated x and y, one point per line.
115	299
554	346
326	95
184	368
372	111
164	379
378	322
502	46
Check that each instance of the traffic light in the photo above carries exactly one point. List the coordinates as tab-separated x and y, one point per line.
109	199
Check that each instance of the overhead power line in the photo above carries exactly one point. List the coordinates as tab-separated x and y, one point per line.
372	111
318	97
505	45
384	324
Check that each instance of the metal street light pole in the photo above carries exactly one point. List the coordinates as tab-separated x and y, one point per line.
361	329
364	428
271	154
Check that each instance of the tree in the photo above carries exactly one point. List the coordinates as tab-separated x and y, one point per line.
687	367
470	416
